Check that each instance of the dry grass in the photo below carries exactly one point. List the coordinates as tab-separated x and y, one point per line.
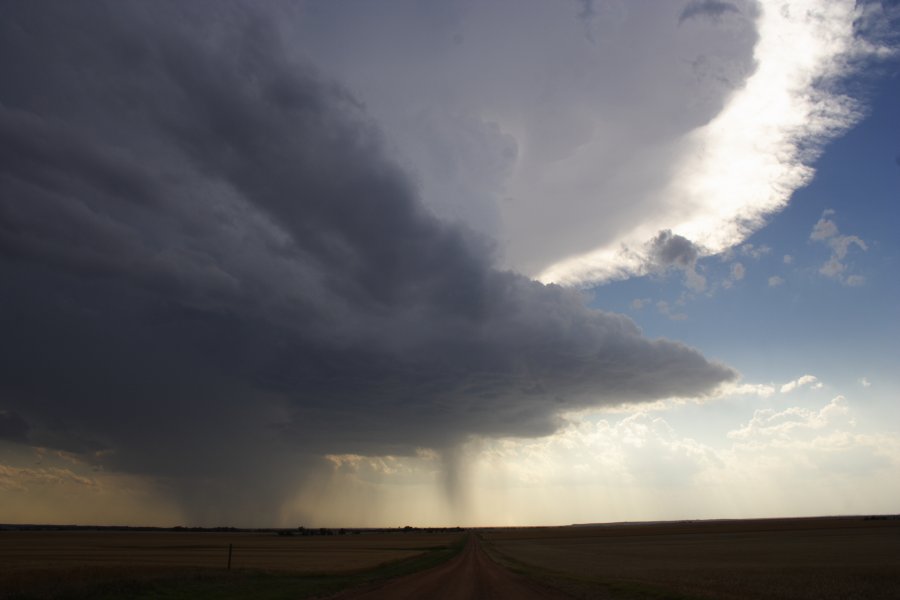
73	563
313	554
786	558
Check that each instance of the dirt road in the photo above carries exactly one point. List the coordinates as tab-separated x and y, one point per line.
470	575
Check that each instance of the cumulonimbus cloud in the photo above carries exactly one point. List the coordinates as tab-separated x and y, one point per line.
710	9
210	265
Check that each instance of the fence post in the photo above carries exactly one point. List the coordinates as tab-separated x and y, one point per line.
229	558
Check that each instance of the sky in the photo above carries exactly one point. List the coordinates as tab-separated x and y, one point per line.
344	263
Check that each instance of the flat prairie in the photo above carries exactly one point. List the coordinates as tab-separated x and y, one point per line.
88	564
819	558
302	554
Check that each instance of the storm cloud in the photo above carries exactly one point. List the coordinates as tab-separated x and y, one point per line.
213	268
711	9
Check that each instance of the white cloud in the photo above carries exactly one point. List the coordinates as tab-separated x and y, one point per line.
665	309
864	381
745	389
775	281
826	231
640	303
768	422
736	273
787	259
638	450
811	380
755	252
565	150
789	460
746	163
794	460
608	125
694	281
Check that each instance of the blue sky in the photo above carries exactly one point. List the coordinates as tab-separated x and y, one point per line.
809	320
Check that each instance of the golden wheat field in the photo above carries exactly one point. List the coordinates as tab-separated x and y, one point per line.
819	558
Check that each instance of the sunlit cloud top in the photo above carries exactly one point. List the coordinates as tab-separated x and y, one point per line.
745	164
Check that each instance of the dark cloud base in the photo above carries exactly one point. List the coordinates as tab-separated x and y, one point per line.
211	271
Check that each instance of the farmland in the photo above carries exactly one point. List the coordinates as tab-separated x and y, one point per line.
822	558
76	564
772	558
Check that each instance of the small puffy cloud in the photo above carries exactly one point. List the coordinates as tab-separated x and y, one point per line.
735	274
787	259
755	252
639	303
842	243
823	229
694	280
672	251
806	380
864	381
775	281
826	232
666	309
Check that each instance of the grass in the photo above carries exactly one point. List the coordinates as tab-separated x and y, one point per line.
787	559
111	582
583	585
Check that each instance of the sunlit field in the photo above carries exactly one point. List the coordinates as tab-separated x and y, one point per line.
777	558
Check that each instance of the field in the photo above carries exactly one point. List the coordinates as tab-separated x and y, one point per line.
96	564
779	558
821	558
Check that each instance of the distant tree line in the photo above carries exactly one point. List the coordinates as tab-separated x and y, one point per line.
357	531
280	531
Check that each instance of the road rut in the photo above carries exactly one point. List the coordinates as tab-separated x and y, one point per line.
470	575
